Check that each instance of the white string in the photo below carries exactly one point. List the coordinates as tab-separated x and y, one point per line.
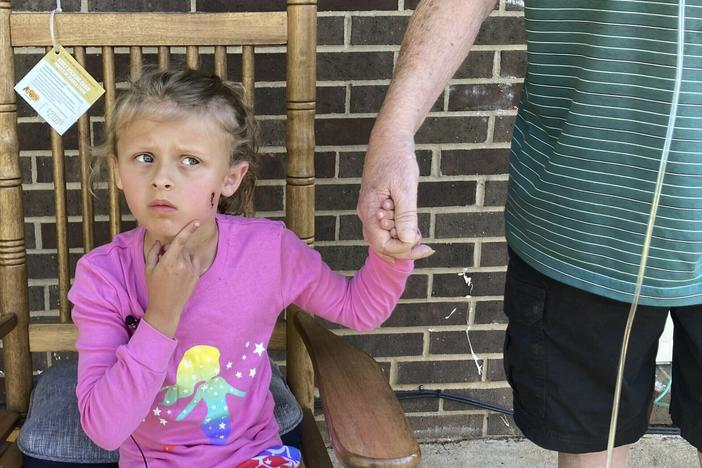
649	232
51	23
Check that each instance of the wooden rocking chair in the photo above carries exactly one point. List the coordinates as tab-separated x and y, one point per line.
366	424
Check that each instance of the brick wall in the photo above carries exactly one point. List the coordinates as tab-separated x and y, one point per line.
462	151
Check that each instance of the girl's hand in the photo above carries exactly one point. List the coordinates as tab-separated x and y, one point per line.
171	276
386	217
386	222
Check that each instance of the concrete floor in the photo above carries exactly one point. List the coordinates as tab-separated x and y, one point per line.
650	452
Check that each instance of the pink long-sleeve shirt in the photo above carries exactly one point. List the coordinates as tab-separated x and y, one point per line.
202	399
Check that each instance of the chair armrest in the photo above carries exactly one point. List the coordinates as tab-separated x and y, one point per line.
8	322
366	423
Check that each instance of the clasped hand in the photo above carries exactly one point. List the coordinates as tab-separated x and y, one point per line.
387	204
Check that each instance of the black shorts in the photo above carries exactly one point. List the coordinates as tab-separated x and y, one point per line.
562	349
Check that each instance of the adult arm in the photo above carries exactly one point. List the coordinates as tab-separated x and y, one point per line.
439	35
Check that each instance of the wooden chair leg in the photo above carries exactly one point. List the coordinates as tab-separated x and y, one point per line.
10	457
314	452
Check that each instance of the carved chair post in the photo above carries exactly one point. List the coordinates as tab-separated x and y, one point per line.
13	263
299	191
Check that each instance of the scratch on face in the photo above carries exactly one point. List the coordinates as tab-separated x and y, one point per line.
212	200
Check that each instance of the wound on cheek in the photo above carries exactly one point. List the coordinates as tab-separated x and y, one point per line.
212	200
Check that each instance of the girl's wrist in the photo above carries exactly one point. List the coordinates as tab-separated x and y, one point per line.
166	323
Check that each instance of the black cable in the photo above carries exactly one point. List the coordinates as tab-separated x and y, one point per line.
421	392
663	430
146	465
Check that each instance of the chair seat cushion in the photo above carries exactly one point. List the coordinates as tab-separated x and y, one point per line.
52	430
287	411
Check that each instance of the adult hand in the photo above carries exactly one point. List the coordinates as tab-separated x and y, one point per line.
390	171
171	276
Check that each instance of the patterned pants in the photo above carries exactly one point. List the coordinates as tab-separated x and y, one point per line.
281	456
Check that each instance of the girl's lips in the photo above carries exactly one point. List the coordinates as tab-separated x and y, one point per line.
161	206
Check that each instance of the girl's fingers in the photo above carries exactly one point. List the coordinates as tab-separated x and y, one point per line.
179	241
387	224
388	204
393	233
386	214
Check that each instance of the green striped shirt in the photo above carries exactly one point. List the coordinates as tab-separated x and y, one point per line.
587	146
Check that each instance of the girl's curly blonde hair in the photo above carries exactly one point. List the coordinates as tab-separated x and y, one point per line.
173	94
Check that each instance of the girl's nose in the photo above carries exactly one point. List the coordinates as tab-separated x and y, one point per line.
164	185
162	180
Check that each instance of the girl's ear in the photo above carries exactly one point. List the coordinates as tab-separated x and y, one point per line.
234	177
113	162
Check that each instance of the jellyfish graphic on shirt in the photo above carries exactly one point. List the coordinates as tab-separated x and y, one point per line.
200	365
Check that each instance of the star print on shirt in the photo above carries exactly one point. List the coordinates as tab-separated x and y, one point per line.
238	375
252	372
229	365
162	421
157	411
259	349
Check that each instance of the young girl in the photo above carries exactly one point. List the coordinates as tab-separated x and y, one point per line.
174	317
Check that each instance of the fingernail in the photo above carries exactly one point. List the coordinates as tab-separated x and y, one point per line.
197	223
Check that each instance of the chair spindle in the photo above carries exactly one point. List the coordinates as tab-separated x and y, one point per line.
59	179
88	224
192	57
247	72
108	70
220	62
135	62
164	57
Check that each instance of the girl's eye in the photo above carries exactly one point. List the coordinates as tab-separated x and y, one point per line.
191	161
144	158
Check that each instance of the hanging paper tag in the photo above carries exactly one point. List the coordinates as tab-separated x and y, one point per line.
59	89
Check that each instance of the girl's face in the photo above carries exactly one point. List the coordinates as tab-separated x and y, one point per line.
174	171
